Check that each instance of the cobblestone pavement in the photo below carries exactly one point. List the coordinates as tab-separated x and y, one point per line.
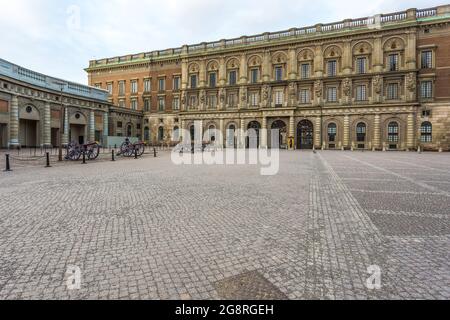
147	229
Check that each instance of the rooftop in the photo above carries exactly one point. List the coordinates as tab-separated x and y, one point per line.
294	33
19	73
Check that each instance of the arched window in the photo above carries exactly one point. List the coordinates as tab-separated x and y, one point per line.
332	132
426	131
212	133
393	132
361	131
129	130
160	134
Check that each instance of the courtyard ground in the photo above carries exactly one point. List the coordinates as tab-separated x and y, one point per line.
147	229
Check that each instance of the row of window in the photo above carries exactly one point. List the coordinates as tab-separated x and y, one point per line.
361	65
176	85
426	132
147	104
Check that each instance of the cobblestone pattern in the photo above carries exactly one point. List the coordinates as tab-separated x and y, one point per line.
146	229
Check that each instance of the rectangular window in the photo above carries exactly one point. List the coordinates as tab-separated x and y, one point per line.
278	73
233	99
212	79
361	65
393	62
134	86
119	124
176	83
254	75
426	89
254	97
305	96
361	94
212	101
332	68
146	105
122	103
98	85
161	104
147	85
161	84
121	88
305	71
193	81
279	98
109	87
392	91
332	94
133	104
232	78
176	103
427	59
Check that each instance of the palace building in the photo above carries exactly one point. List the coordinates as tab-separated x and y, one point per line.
34	107
380	82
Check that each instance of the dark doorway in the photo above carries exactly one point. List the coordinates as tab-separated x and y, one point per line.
281	126
252	139
305	135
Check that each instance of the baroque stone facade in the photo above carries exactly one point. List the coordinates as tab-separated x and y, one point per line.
373	83
32	105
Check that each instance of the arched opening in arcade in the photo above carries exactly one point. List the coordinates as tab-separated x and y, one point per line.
29	129
78	128
253	134
281	138
305	135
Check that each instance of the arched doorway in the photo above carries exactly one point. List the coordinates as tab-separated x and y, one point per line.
361	131
332	133
281	126
231	136
160	134
252	139
192	133
129	131
146	134
176	134
29	126
305	135
393	135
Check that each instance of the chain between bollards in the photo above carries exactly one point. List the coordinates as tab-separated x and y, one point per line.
8	166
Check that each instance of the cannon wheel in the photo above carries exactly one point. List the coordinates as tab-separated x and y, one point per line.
140	149
73	154
93	151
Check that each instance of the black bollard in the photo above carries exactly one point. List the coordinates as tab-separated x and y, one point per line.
8	166
154	152
113	156
84	157
135	153
48	160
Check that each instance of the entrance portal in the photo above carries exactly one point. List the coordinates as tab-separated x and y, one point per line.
252	139
305	135
3	135
281	126
77	133
28	133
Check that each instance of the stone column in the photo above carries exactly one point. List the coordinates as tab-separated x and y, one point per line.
182	131
242	134
202	74
291	126
377	55
410	132
243	69
346	131
47	134
105	124
222	72
266	67
14	123
184	74
347	58
222	132
318	132
376	132
264	133
92	126
318	61
292	64
65	136
411	51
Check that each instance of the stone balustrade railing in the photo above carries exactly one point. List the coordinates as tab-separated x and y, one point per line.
349	24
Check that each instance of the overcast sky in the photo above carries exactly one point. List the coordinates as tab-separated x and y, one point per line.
59	37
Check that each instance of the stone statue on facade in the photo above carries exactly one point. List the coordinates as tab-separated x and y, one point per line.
377	84
318	88
411	82
265	94
292	93
347	87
